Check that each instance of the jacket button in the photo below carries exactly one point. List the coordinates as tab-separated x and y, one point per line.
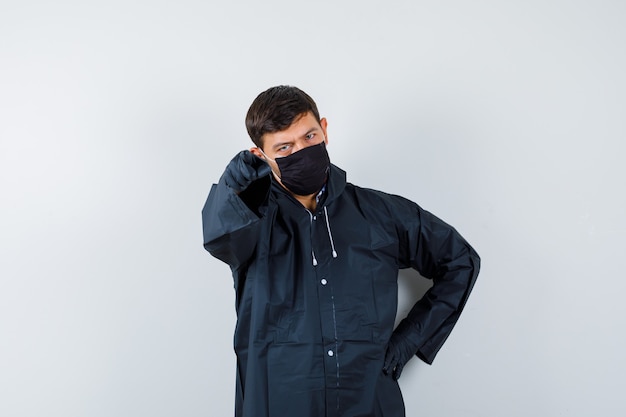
323	281
331	353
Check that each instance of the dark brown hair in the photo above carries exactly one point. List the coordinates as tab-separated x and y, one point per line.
275	109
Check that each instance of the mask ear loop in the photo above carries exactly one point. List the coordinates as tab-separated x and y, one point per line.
265	155
274	161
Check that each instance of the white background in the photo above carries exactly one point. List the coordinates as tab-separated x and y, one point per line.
504	118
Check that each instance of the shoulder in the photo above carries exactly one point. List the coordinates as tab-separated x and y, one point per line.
379	206
369	199
379	197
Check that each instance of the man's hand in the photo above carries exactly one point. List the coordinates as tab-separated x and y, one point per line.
399	350
243	170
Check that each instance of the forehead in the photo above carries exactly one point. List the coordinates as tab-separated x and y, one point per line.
302	125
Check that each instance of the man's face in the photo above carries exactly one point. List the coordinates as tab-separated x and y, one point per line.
305	131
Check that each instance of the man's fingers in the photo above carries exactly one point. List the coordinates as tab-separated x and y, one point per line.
390	362
250	158
252	167
397	371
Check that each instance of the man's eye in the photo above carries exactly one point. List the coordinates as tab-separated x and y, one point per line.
283	148
310	136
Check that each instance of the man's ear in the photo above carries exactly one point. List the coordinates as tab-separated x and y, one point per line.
324	125
257	152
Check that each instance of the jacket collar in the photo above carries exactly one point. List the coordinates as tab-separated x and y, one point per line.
335	184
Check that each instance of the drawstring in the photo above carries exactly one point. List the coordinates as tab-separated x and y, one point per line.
330	235
312	252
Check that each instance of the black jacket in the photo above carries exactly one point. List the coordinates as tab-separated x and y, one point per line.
316	293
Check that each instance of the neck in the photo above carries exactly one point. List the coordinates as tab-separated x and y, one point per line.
309	202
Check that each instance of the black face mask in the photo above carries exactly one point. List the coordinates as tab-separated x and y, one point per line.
305	172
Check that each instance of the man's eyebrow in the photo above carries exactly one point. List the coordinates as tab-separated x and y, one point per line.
313	129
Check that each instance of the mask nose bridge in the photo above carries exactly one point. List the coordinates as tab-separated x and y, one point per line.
298	146
302	143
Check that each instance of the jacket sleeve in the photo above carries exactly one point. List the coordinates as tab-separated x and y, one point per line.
438	252
231	221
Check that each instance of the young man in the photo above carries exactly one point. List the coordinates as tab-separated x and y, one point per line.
315	261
